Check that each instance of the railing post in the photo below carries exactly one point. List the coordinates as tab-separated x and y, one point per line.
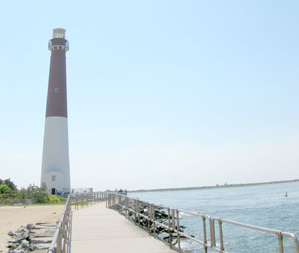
172	225
280	241
135	211
220	235
70	233
127	207
178	230
169	229
119	203
67	231
173	219
138	210
63	235
212	232
59	239
64	231
154	218
204	233
148	217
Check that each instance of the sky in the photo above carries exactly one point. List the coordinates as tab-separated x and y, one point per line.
161	94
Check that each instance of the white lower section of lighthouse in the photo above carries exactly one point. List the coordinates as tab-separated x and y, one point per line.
55	163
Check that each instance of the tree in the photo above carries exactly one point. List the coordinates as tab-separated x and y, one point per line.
10	184
37	194
22	195
4	189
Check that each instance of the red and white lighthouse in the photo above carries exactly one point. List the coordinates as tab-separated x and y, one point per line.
55	162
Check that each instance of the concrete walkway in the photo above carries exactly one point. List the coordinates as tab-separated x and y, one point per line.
98	229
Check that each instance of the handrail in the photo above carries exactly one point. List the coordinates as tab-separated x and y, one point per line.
127	205
86	199
61	242
279	233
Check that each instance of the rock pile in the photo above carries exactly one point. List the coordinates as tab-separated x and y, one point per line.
160	216
34	237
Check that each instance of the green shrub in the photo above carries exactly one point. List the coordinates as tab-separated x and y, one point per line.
4	189
54	199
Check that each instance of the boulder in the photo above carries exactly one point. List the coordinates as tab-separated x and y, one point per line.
10	233
25	244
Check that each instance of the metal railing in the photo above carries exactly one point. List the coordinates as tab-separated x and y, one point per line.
61	242
148	216
86	199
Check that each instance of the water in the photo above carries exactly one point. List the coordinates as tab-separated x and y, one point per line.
261	205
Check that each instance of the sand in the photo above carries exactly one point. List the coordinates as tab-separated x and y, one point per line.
13	217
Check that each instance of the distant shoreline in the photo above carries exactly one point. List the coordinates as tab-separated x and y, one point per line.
212	186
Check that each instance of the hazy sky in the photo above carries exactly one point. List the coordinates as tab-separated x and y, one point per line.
162	93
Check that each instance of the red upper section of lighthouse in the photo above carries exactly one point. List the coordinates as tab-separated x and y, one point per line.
57	94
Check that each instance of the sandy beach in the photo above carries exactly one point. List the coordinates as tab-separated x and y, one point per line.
12	217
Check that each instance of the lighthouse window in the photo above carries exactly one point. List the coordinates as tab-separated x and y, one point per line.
53	178
56	89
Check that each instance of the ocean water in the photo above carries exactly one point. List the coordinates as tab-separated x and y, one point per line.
262	205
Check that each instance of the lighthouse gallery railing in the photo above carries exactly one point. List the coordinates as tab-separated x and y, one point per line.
133	206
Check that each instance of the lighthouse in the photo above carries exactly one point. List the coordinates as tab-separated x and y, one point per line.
55	161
